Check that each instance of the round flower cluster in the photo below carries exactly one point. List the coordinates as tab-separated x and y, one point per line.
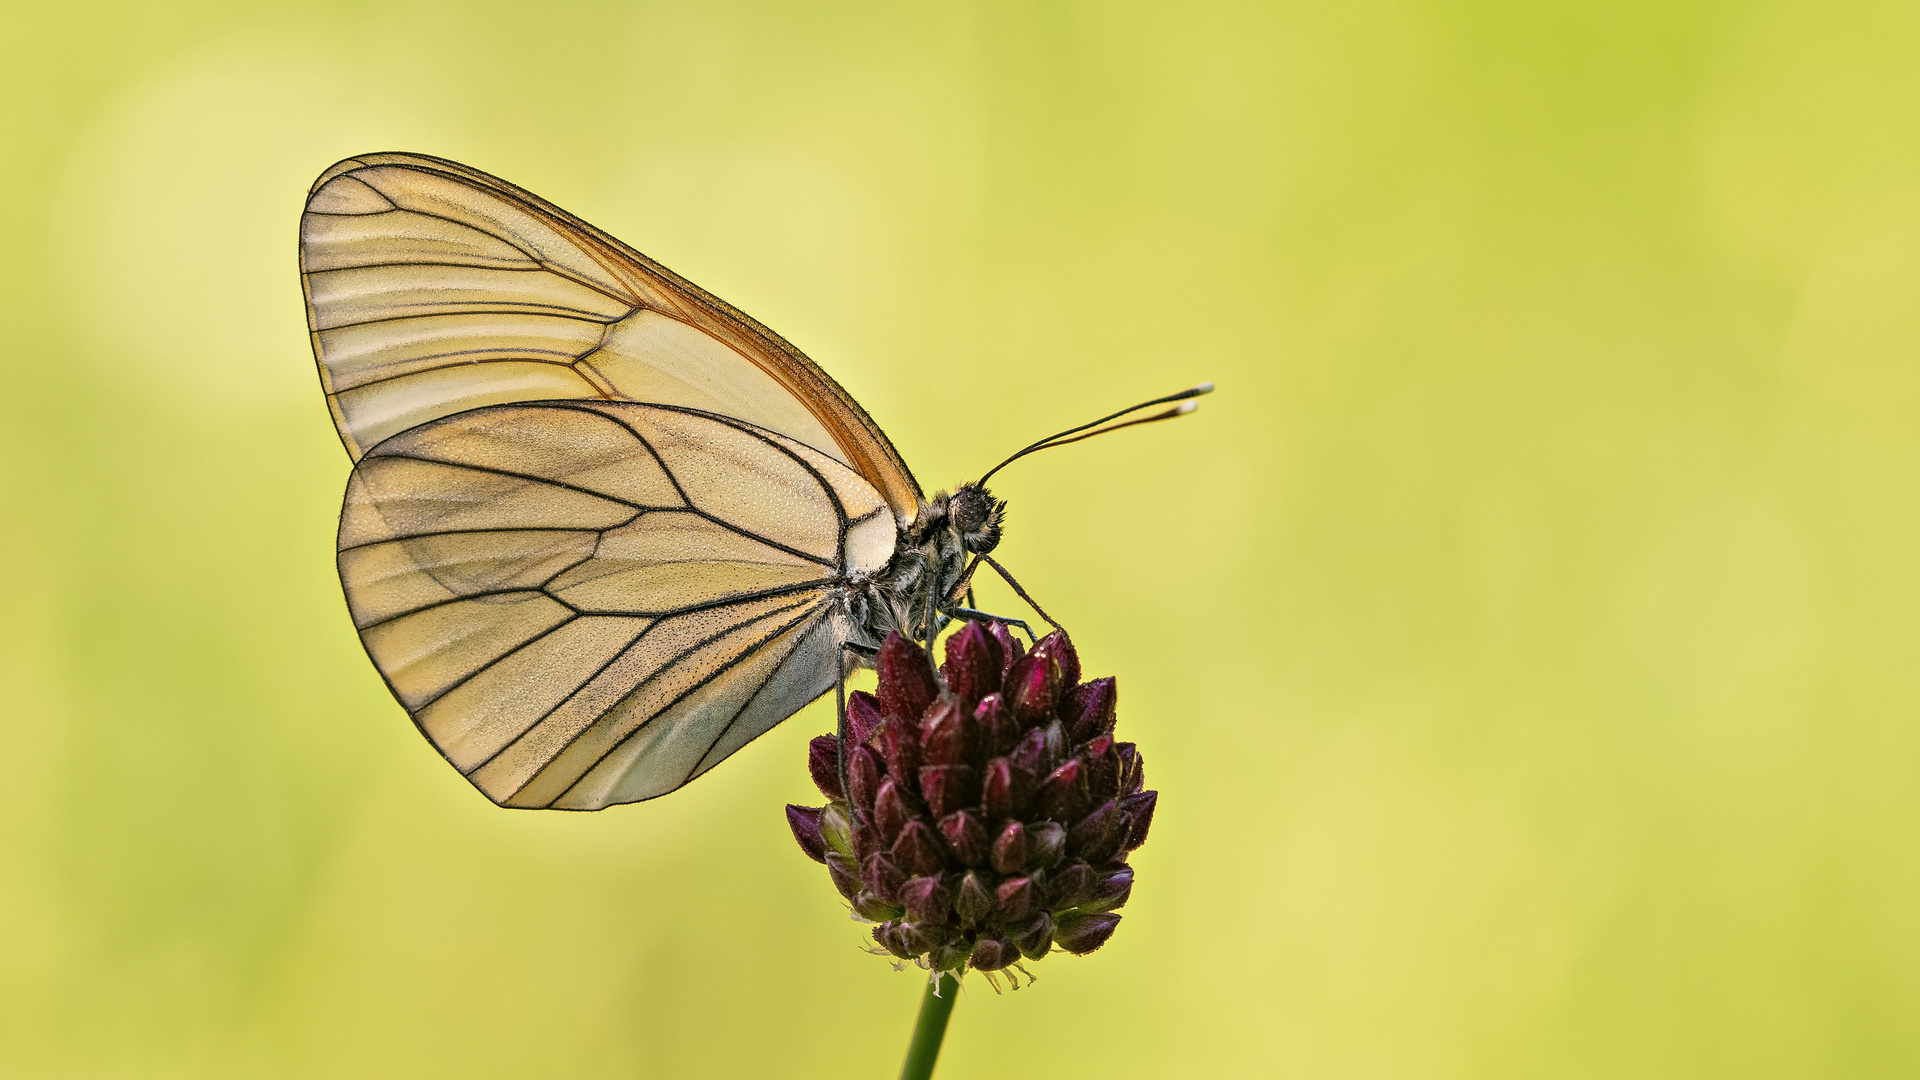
983	812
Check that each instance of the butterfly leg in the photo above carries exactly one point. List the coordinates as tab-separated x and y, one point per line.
932	630
965	583
969	613
840	727
840	719
1022	593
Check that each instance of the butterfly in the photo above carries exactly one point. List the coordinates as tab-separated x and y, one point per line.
602	529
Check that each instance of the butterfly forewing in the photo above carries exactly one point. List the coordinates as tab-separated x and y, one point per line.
433	288
585	603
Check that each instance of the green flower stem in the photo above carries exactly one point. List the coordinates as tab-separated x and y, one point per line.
930	1028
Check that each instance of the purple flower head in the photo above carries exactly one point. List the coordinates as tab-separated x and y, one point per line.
986	812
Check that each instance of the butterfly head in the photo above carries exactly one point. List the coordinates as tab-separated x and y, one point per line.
970	519
976	516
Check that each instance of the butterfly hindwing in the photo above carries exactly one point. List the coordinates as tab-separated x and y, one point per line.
583	603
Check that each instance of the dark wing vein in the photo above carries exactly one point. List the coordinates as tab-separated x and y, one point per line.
477	596
748	704
473	307
690	609
529	477
760	433
833	496
511	241
684	694
643	441
535	722
662	669
515	529
477	672
467	363
578	316
831	564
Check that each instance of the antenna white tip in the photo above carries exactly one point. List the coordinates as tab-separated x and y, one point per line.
1186	407
1204	388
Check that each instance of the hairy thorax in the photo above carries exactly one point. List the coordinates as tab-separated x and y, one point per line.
928	573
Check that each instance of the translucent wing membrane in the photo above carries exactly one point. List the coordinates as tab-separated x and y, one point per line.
433	288
587	603
597	514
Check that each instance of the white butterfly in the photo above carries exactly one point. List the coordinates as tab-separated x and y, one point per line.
603	529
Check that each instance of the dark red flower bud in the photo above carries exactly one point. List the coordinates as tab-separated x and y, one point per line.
998	730
871	907
889	936
900	743
863	717
1057	648
845	874
836	829
1139	811
823	764
1103	769
1033	687
1097	837
1056	737
907	685
1090	709
891	811
1084	933
949	787
926	900
992	954
946	737
1030	754
1110	890
805	823
973	901
882	877
997	794
1063	795
973	666
1010	648
1016	899
866	838
1034	937
863	778
1133	770
1049	844
1071	887
917	852
966	837
1010	852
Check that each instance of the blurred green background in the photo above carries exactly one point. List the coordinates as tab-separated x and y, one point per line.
1522	638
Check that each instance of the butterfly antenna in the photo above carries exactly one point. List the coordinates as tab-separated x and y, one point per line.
1094	427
